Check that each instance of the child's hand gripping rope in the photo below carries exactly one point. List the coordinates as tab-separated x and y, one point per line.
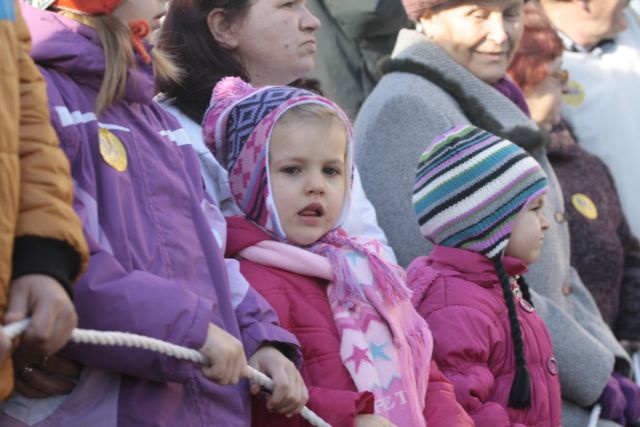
132	340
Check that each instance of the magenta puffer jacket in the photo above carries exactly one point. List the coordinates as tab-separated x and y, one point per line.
303	308
459	294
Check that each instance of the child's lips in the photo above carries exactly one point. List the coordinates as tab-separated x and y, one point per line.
313	210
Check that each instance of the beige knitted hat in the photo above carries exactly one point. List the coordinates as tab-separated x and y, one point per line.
416	8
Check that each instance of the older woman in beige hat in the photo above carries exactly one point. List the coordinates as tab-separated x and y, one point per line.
450	71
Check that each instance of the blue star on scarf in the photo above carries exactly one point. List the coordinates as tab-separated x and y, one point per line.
377	351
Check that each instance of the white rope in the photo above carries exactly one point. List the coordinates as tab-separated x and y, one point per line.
126	339
595	416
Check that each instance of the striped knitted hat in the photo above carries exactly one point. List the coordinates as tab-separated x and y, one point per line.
470	186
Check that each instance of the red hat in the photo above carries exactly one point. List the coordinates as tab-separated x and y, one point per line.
88	7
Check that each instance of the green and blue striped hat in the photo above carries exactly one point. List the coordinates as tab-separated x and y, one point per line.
470	186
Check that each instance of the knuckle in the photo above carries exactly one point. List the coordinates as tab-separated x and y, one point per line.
73	318
39	340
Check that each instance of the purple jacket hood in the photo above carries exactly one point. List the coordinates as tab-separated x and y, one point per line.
74	48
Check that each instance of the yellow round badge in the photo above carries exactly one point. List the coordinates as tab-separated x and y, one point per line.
584	205
575	94
112	150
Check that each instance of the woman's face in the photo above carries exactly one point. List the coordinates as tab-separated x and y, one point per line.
274	41
482	35
545	98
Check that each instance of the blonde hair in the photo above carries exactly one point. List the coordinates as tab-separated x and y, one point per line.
115	37
318	114
313	111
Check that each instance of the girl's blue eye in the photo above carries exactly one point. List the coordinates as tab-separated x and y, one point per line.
331	171
290	170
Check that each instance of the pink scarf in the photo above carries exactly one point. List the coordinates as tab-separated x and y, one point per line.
386	346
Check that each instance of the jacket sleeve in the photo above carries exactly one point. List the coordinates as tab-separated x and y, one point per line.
442	408
462	352
628	321
107	297
337	407
49	236
365	18
257	320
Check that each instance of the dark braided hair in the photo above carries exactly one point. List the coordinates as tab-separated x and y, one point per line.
524	287
520	395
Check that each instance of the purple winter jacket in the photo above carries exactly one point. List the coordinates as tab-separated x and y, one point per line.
156	268
459	294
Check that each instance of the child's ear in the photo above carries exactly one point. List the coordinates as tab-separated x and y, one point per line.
222	29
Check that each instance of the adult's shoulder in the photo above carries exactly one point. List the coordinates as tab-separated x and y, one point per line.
405	89
406	106
192	129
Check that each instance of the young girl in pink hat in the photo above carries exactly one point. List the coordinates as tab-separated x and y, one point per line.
366	351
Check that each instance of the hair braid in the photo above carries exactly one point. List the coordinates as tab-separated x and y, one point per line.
524	287
520	396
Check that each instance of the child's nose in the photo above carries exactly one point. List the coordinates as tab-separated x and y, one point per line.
544	223
314	184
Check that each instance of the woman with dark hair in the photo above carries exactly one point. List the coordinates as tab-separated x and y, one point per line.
600	234
450	71
265	42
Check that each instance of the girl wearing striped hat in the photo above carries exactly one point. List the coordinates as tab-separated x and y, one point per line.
478	198
367	353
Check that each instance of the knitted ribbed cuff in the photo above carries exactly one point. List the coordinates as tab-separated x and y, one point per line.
51	257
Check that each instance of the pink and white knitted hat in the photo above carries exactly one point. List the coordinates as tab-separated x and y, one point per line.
237	129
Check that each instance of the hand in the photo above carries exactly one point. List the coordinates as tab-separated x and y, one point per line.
226	356
52	314
289	394
632	393
366	420
613	402
38	377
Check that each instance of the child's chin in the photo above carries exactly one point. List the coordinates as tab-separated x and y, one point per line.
534	257
304	240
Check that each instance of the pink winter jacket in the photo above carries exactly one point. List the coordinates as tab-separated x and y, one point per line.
459	294
303	309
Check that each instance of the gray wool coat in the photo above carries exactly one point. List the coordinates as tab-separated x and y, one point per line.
401	116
